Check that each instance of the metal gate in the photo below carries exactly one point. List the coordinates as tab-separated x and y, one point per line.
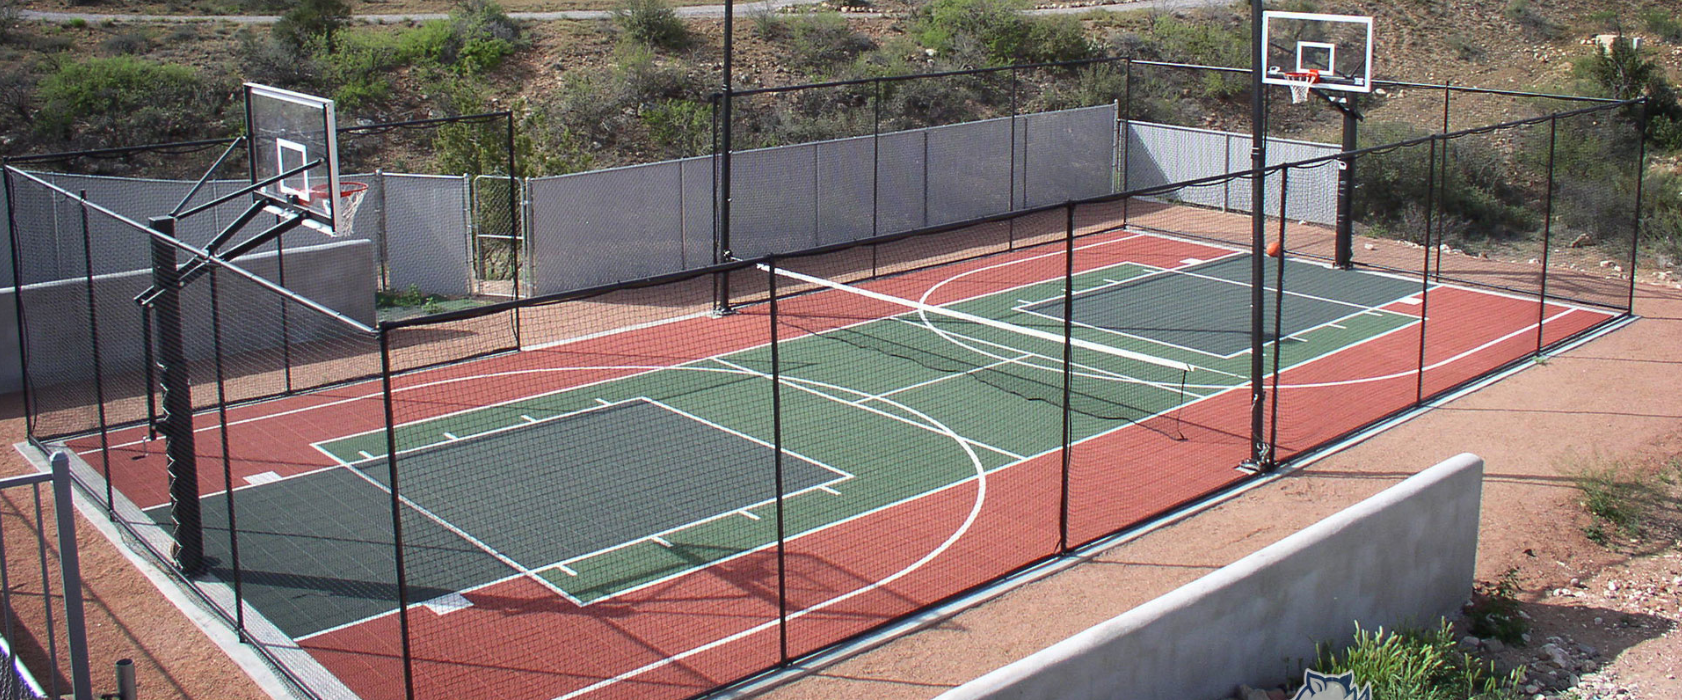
497	236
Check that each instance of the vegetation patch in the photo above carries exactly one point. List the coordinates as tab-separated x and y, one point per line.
1417	665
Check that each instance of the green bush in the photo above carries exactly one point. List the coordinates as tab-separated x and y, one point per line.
475	38
126	44
1667	25
1418	665
680	128
997	32
651	23
1494	610
1531	21
1479	192
266	59
312	20
822	41
124	100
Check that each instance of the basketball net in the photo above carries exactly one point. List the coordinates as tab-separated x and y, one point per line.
344	209
1300	84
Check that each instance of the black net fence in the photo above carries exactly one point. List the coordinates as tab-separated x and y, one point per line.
657	488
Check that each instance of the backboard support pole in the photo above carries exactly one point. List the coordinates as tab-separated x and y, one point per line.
177	414
1344	255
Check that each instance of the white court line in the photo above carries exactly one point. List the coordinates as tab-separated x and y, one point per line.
1092	371
795	382
943	377
639	369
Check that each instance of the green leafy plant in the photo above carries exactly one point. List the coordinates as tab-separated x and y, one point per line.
313	20
1494	610
651	23
1617	497
1417	665
998	32
123	99
1666	24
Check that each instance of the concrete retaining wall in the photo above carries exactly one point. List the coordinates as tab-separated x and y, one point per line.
1404	556
338	275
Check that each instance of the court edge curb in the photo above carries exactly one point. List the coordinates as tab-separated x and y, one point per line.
933	616
217	631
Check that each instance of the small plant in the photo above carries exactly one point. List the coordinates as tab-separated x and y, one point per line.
126	43
76	23
1617	498
652	23
411	297
1418	665
1494	610
1522	13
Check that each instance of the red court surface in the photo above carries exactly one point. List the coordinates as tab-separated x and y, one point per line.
691	633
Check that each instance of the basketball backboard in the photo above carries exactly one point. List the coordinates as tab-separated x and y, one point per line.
1339	47
289	130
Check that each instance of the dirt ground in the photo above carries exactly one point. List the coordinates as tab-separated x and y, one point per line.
1616	397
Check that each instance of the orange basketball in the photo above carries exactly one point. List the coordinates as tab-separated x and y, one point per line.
1274	249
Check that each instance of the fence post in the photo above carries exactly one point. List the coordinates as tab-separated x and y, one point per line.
777	465
1068	373
17	305
382	247
98	360
396	514
1547	234
70	569
1640	182
1425	265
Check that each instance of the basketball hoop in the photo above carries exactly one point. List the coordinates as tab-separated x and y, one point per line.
1300	83
350	197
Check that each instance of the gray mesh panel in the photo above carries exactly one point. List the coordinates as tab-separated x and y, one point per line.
772	208
901	184
844	185
698	211
426	234
605	226
1066	155
969	171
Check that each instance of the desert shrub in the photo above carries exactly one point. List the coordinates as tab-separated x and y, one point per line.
125	44
651	23
1624	72
311	21
1418	665
1206	42
679	128
822	40
124	100
1666	24
1532	22
475	38
266	59
1092	85
1475	189
646	78
1493	612
998	32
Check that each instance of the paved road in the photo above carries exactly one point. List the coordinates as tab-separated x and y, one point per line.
691	11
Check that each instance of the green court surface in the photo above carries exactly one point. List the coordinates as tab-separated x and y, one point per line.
860	404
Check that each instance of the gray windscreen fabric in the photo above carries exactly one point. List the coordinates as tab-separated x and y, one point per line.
969	171
1065	155
427	234
1309	187
1158	155
699	212
605	226
845	185
773	207
901	182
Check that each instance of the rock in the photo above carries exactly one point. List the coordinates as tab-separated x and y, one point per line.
1371	247
1493	646
1580	241
1587	650
1533	261
1558	656
1469	642
1606	263
1247	693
